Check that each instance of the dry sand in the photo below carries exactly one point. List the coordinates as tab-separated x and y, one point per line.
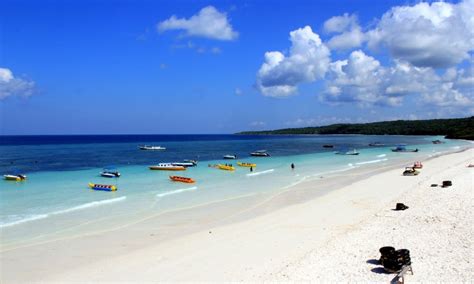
334	237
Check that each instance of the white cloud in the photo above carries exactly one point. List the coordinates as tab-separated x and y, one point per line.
435	35
208	23
12	86
307	61
258	123
339	24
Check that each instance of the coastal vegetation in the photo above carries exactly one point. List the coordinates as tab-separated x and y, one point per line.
455	128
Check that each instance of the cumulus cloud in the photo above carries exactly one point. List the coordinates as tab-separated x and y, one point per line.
13	86
350	34
308	60
435	35
363	80
208	23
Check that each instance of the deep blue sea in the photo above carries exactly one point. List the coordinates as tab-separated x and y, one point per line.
55	200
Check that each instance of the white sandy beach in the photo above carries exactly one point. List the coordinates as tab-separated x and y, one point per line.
334	237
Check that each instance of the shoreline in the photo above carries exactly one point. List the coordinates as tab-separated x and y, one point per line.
267	214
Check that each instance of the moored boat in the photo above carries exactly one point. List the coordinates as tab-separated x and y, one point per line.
167	167
148	147
437	142
248	165
182	179
184	164
17	177
352	152
110	173
104	187
260	153
403	149
328	146
230	157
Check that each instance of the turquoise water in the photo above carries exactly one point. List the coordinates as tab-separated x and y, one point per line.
55	201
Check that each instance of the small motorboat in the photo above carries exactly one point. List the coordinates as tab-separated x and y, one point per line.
182	179
376	144
410	171
403	149
437	142
191	161
110	173
260	153
230	157
417	165
352	152
167	167
184	164
148	147
328	146
16	177
248	165
225	167
104	187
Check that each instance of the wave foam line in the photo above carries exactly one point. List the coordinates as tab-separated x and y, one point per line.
75	208
260	173
381	155
371	162
159	195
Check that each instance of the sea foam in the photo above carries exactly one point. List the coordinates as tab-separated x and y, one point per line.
159	195
260	173
371	162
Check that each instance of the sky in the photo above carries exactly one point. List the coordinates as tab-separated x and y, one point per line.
178	67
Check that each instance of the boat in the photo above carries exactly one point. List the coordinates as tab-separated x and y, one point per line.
417	165
104	187
328	146
167	167
230	157
403	149
410	171
184	164
225	167
182	179
248	165
110	173
148	147
191	161
437	142
16	177
376	144
260	153
352	152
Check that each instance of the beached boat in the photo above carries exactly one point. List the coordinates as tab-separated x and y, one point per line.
182	179
17	177
417	165
110	173
104	187
350	152
403	149
328	146
410	171
225	167
148	147
260	153
230	157
167	167
248	165
376	144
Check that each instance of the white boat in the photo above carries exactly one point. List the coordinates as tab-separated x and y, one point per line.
184	164
167	167
110	173
350	152
148	147
230	157
260	153
15	177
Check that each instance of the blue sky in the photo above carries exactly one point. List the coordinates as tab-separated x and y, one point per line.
106	67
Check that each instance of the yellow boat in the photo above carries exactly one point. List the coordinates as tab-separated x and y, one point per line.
248	165
225	167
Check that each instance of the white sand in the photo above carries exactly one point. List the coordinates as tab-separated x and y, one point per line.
329	238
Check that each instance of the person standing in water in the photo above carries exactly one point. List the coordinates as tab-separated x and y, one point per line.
251	169
292	166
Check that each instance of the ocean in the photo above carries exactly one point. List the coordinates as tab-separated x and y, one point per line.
55	200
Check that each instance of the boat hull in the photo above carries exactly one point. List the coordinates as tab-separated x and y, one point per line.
248	165
102	187
182	179
172	168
